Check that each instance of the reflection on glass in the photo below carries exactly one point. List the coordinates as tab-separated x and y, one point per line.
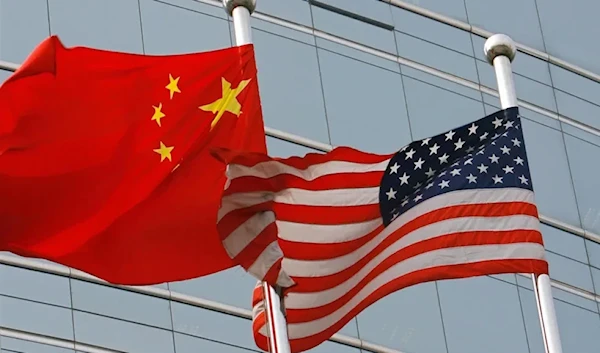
23	25
121	335
428	119
365	104
408	320
34	285
482	314
37	318
165	26
585	177
107	24
121	304
291	95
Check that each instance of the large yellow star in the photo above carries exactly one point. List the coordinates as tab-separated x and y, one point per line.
228	102
158	114
172	86
164	151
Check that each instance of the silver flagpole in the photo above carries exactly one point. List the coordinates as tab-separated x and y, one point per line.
500	51
240	11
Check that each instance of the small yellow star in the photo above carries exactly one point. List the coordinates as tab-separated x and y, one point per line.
172	86
158	114
164	151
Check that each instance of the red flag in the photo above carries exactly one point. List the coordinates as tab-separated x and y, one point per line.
105	161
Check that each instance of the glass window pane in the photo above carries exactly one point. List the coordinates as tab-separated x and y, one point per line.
278	30
593	250
482	314
190	344
523	25
170	29
358	55
213	9
293	10
121	335
431	30
585	177
291	95
365	104
524	64
579	328
433	110
569	272
532	323
209	324
550	175
596	277
575	84
280	148
564	243
438	57
107	24
374	10
34	285
441	83
233	287
408	320
527	89
450	8
578	109
23	25
569	27
34	317
332	347
560	294
121	304
353	29
17	345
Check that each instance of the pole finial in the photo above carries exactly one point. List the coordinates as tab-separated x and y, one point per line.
229	5
499	44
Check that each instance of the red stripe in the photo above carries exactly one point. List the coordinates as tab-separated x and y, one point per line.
332	215
281	182
234	219
252	251
317	284
473	210
422	276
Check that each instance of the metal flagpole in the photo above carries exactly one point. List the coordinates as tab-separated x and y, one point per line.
500	51
240	11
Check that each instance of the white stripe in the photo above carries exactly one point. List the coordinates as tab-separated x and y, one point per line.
269	169
242	200
326	234
441	257
294	196
243	235
297	268
302	231
266	260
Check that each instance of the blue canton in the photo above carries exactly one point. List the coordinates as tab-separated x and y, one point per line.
488	153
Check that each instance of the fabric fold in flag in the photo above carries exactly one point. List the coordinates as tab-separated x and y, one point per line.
344	229
105	161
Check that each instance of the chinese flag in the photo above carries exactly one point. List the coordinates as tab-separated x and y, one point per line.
105	158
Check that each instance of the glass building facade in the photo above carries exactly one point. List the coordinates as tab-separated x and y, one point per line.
370	74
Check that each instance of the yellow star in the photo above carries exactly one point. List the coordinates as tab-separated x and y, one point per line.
227	103
164	151
158	114
172	86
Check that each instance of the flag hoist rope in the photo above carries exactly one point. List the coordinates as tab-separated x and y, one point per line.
500	51
240	11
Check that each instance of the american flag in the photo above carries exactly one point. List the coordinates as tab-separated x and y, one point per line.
341	230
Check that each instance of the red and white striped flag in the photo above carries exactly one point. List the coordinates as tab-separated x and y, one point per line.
341	230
